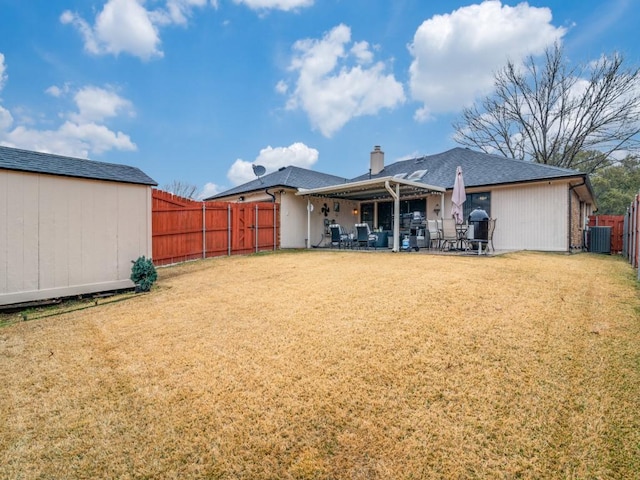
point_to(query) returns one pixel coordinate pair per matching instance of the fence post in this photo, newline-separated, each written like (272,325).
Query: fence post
(204,230)
(229,229)
(256,225)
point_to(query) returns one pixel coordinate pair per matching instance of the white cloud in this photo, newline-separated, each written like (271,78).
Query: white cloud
(362,52)
(81,134)
(457,54)
(57,92)
(76,140)
(126,26)
(296,154)
(121,26)
(6,119)
(282,87)
(3,73)
(284,5)
(334,86)
(98,104)
(54,91)
(209,190)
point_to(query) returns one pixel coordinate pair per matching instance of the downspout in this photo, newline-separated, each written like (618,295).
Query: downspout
(396,214)
(273,197)
(571,187)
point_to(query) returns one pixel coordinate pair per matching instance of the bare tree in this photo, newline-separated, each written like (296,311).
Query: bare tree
(182,189)
(550,113)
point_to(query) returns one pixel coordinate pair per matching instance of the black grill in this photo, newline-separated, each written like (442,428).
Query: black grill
(480,221)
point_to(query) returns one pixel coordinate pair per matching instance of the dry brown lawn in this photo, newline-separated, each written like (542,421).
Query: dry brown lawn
(335,365)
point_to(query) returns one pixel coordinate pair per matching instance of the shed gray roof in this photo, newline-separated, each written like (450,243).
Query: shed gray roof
(47,163)
(290,177)
(478,169)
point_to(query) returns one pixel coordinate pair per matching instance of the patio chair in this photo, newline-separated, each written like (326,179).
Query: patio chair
(338,237)
(449,234)
(434,234)
(364,237)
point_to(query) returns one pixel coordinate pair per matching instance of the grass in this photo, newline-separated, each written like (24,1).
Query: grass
(335,365)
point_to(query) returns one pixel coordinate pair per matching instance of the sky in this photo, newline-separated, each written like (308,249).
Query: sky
(198,91)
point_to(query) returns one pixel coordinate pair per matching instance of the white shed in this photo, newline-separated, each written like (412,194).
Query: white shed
(69,226)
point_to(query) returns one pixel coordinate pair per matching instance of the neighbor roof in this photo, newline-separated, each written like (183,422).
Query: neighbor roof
(478,169)
(286,177)
(47,163)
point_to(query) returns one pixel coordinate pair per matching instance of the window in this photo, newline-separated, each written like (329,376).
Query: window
(366,215)
(385,215)
(417,175)
(415,205)
(474,200)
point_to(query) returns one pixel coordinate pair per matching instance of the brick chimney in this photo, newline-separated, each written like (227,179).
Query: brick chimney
(377,160)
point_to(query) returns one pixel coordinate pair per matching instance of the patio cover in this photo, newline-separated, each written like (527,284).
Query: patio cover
(382,188)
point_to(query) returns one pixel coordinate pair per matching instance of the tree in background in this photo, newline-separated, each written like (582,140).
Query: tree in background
(181,189)
(550,113)
(616,185)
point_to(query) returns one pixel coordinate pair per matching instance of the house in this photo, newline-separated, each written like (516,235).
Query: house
(281,186)
(69,226)
(537,207)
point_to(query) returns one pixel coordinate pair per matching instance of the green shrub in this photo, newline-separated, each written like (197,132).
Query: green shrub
(143,274)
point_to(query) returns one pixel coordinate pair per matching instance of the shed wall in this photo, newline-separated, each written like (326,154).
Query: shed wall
(64,236)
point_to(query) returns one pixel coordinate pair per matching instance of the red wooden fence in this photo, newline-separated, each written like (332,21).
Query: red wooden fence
(616,222)
(184,229)
(632,234)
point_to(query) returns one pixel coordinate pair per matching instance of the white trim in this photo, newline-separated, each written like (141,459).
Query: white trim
(362,184)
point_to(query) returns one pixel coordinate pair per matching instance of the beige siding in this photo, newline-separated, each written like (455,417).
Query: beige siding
(65,236)
(293,221)
(293,217)
(531,217)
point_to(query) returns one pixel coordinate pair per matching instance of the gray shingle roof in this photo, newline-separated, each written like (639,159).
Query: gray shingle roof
(47,163)
(478,169)
(291,177)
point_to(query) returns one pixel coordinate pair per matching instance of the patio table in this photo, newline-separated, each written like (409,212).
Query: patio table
(462,240)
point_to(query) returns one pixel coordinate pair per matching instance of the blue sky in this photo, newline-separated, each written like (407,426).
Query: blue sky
(199,90)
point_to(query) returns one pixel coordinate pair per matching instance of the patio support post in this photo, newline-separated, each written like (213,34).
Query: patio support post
(396,214)
(309,208)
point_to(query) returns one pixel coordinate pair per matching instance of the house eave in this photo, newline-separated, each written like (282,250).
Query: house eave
(578,180)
